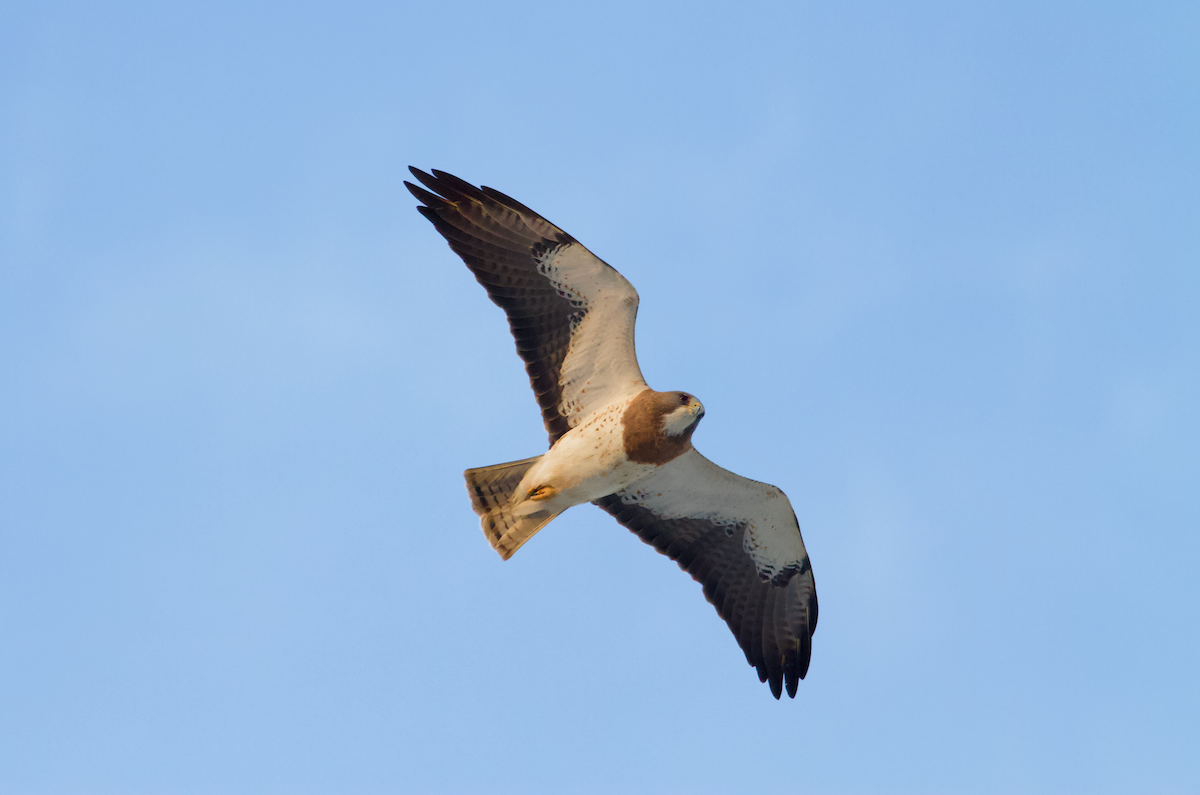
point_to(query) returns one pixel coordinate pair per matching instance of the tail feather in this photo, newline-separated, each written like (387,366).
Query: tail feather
(492,490)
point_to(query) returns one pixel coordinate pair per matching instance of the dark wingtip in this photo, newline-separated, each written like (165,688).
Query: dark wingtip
(448,184)
(421,176)
(776,686)
(429,214)
(423,196)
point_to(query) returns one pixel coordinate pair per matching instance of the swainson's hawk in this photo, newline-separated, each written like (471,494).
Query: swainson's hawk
(614,441)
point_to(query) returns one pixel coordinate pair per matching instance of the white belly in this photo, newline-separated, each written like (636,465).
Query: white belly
(587,463)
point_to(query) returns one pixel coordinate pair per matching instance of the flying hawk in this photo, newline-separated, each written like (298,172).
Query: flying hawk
(616,442)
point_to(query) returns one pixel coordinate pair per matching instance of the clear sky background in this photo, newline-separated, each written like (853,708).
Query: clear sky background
(933,268)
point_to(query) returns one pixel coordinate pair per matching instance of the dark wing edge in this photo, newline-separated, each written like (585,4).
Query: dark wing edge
(499,239)
(773,622)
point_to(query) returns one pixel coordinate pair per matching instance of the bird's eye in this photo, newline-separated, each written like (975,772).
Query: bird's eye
(684,399)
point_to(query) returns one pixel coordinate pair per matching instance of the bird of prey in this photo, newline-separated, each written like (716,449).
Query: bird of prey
(614,441)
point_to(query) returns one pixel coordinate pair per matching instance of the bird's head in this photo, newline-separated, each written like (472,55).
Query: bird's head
(682,413)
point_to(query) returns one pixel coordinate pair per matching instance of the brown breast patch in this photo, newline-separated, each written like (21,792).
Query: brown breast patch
(645,441)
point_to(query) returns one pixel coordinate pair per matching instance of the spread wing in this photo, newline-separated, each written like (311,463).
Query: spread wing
(739,539)
(570,312)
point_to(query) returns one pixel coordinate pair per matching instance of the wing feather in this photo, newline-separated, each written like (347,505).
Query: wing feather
(739,539)
(571,314)
(772,658)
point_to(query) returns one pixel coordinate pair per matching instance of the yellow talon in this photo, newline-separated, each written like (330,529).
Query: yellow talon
(544,492)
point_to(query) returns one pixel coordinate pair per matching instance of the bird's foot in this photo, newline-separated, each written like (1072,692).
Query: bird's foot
(543,492)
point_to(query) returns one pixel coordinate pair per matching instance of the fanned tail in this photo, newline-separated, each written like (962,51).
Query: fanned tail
(492,490)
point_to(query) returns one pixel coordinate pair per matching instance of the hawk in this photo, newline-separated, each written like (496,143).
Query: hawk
(614,441)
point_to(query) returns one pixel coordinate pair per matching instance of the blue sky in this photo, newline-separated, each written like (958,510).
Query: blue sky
(933,269)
